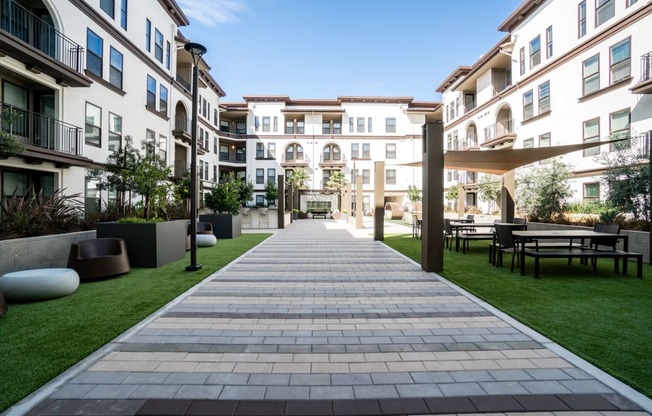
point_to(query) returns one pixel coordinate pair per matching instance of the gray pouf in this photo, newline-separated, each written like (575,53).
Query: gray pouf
(38,284)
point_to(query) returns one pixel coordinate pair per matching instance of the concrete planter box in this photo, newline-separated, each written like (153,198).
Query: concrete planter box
(225,226)
(149,244)
(639,241)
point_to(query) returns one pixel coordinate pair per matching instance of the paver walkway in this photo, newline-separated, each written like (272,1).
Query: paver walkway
(317,322)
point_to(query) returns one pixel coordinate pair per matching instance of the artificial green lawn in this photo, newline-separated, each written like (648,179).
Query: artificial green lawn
(603,317)
(40,340)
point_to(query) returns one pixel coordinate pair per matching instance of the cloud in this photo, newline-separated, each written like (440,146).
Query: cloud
(214,12)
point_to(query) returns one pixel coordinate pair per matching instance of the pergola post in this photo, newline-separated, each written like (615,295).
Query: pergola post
(507,197)
(432,225)
(461,200)
(358,202)
(280,201)
(347,202)
(379,200)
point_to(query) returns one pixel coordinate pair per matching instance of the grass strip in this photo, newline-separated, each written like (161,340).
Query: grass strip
(602,317)
(40,340)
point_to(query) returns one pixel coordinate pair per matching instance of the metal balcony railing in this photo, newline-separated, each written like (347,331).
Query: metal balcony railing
(341,158)
(469,106)
(294,159)
(46,132)
(184,82)
(500,129)
(22,24)
(182,123)
(470,142)
(180,168)
(646,67)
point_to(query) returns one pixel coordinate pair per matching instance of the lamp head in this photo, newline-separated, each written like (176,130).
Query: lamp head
(196,49)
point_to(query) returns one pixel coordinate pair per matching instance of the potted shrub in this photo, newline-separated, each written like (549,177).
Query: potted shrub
(271,193)
(245,193)
(295,214)
(224,201)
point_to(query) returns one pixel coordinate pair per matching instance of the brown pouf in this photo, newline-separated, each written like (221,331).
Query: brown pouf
(3,305)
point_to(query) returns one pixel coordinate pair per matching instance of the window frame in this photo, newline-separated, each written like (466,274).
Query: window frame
(581,19)
(260,176)
(613,64)
(113,69)
(390,153)
(260,150)
(528,105)
(607,4)
(148,35)
(390,124)
(114,133)
(549,49)
(544,97)
(390,179)
(587,78)
(592,151)
(98,126)
(271,178)
(535,55)
(92,54)
(627,131)
(163,100)
(151,93)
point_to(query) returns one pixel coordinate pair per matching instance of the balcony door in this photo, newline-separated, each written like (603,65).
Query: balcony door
(16,99)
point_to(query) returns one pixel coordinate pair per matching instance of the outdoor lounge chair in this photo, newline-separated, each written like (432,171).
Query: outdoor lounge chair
(98,258)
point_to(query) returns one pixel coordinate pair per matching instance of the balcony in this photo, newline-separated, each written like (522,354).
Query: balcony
(235,136)
(644,85)
(46,139)
(180,168)
(332,160)
(238,159)
(182,128)
(40,46)
(500,133)
(470,143)
(184,82)
(296,161)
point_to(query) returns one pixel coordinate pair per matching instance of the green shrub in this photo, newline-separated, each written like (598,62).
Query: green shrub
(139,220)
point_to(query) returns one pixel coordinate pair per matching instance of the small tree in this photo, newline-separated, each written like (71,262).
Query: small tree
(245,190)
(336,182)
(490,188)
(224,197)
(627,179)
(150,178)
(413,193)
(542,192)
(453,193)
(271,192)
(9,144)
(299,178)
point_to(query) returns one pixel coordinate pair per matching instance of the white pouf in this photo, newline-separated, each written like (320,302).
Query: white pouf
(39,284)
(206,240)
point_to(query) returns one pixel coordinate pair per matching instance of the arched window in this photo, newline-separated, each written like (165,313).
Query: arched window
(293,151)
(332,152)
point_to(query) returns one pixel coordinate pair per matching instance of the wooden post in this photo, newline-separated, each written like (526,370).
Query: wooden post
(461,200)
(432,225)
(347,203)
(379,201)
(280,184)
(507,197)
(358,202)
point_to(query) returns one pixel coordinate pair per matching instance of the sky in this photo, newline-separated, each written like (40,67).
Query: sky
(329,48)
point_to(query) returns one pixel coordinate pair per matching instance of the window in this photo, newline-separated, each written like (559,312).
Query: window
(604,10)
(151,92)
(167,55)
(390,151)
(591,133)
(360,124)
(271,150)
(326,127)
(214,173)
(544,97)
(528,108)
(148,35)
(162,150)
(91,196)
(93,126)
(630,2)
(224,126)
(337,127)
(224,152)
(390,125)
(592,190)
(521,60)
(294,152)
(215,117)
(109,7)
(619,128)
(260,176)
(620,61)
(390,177)
(581,19)
(300,128)
(366,176)
(275,124)
(449,142)
(366,204)
(549,42)
(260,200)
(544,140)
(354,174)
(289,127)
(528,143)
(355,150)
(332,153)
(214,144)
(115,132)
(150,142)
(240,127)
(368,124)
(535,52)
(456,143)
(266,124)
(366,151)
(115,69)
(350,124)
(260,151)
(201,169)
(591,75)
(123,14)
(271,175)
(94,47)
(163,101)
(257,123)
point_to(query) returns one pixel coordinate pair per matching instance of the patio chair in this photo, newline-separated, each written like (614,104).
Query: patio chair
(416,225)
(608,242)
(521,221)
(99,258)
(505,244)
(448,234)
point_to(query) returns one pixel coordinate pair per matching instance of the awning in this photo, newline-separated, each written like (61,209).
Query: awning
(500,161)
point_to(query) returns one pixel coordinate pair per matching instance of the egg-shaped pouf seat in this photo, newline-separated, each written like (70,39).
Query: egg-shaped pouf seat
(206,240)
(39,284)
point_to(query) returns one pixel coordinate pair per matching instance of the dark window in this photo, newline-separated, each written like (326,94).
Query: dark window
(240,128)
(337,127)
(592,190)
(224,152)
(93,125)
(115,132)
(390,176)
(260,200)
(271,175)
(148,35)
(289,127)
(390,151)
(544,97)
(151,92)
(326,127)
(260,150)
(109,7)
(241,154)
(115,70)
(366,151)
(158,45)
(167,55)
(94,46)
(123,14)
(581,19)
(591,75)
(163,101)
(390,125)
(260,176)
(300,128)
(350,124)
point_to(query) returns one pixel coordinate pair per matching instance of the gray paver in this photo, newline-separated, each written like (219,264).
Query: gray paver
(288,393)
(418,390)
(375,392)
(243,392)
(331,392)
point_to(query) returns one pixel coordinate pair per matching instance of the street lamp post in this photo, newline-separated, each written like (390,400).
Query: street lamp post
(354,207)
(196,50)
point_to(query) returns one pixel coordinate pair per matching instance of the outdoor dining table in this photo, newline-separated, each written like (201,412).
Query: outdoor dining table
(522,237)
(458,225)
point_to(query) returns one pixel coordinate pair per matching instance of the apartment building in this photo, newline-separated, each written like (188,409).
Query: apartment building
(80,75)
(565,72)
(272,135)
